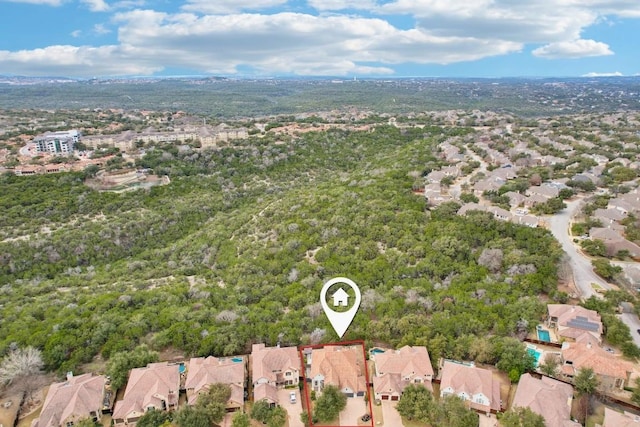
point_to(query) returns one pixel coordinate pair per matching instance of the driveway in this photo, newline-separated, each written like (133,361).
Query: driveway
(391,416)
(293,409)
(487,420)
(356,407)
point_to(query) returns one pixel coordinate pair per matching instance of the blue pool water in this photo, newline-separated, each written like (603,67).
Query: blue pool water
(535,353)
(181,368)
(543,335)
(377,350)
(236,359)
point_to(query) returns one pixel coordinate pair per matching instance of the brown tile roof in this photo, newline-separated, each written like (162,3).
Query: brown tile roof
(573,320)
(470,381)
(147,387)
(267,392)
(614,418)
(71,400)
(270,362)
(203,372)
(547,397)
(340,366)
(409,362)
(585,355)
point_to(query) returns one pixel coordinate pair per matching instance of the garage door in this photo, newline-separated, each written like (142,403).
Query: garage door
(385,397)
(395,397)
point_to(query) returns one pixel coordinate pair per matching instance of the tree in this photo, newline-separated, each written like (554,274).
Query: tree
(20,363)
(594,247)
(550,364)
(21,370)
(154,419)
(330,403)
(189,416)
(585,383)
(272,416)
(452,412)
(213,403)
(635,396)
(121,363)
(240,419)
(513,358)
(521,417)
(605,269)
(416,403)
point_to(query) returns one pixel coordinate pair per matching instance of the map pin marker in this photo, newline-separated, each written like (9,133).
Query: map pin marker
(340,320)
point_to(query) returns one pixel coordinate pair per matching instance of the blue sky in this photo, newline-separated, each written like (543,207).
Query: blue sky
(364,38)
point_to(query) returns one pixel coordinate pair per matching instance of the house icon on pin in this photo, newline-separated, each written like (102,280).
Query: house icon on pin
(340,298)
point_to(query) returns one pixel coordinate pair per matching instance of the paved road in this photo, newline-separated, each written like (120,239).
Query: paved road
(583,274)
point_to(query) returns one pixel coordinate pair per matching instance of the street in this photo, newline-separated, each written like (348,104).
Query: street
(583,274)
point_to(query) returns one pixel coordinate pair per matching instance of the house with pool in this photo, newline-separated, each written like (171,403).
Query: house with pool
(203,372)
(574,323)
(396,369)
(547,397)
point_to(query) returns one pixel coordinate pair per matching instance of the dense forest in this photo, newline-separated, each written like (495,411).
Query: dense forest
(236,249)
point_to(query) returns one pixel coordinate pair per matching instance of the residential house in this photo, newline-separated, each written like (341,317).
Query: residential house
(612,371)
(575,323)
(434,195)
(341,366)
(547,397)
(472,384)
(395,369)
(515,199)
(609,215)
(546,191)
(155,387)
(487,184)
(203,372)
(273,368)
(75,399)
(614,242)
(613,418)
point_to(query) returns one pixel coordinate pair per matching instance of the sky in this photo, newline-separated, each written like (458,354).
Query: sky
(340,38)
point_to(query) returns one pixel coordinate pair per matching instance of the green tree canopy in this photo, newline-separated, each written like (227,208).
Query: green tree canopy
(521,417)
(330,403)
(121,363)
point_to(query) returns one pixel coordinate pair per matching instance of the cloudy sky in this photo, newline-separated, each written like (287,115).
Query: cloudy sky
(387,38)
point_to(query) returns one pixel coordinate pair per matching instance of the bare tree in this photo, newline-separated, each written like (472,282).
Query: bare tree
(21,371)
(492,259)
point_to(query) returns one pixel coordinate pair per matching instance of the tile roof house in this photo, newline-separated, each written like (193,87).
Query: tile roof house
(575,323)
(614,241)
(341,366)
(273,368)
(472,384)
(612,371)
(547,397)
(202,372)
(613,418)
(545,191)
(395,369)
(155,387)
(70,401)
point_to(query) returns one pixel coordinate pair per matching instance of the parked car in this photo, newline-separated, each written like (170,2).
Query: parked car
(292,397)
(366,417)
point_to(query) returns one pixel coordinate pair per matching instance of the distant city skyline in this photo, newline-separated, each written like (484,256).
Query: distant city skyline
(341,38)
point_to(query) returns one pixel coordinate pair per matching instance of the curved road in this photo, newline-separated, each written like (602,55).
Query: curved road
(583,274)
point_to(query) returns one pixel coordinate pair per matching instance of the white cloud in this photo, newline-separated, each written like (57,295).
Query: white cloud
(76,33)
(74,61)
(229,6)
(594,74)
(101,29)
(96,5)
(342,4)
(573,49)
(42,2)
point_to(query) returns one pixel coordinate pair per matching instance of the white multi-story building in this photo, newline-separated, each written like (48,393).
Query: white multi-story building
(57,142)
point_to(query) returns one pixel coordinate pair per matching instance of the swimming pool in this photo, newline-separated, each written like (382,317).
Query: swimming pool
(536,354)
(236,359)
(377,350)
(543,335)
(181,368)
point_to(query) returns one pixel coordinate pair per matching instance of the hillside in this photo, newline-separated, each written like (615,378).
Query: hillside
(236,248)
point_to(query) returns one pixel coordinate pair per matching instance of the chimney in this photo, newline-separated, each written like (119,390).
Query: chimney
(69,375)
(589,345)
